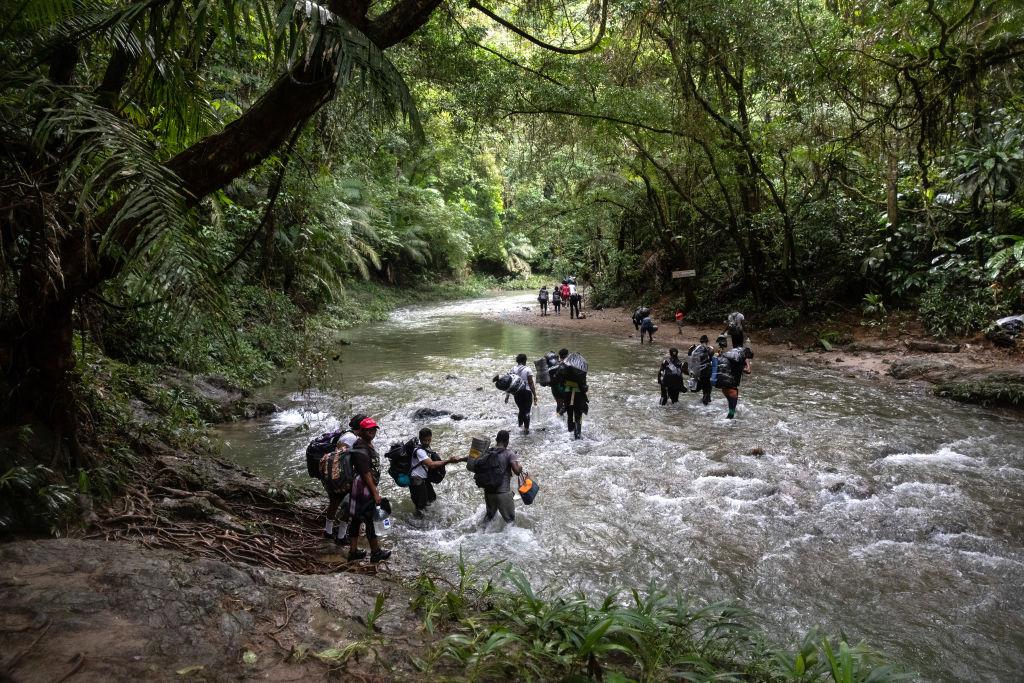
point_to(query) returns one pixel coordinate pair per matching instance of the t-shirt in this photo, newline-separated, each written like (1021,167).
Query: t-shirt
(572,290)
(418,456)
(524,372)
(364,459)
(505,458)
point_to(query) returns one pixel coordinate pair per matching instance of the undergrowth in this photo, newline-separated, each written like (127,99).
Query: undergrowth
(506,630)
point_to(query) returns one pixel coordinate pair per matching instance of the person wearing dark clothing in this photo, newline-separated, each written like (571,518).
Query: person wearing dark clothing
(542,299)
(556,299)
(420,489)
(647,327)
(554,363)
(575,402)
(574,301)
(365,498)
(639,315)
(503,462)
(738,363)
(735,329)
(699,363)
(670,377)
(335,499)
(526,394)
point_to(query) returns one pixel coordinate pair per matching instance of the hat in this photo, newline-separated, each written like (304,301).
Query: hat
(356,419)
(368,423)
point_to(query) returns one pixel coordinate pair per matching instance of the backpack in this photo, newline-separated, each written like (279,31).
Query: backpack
(543,296)
(318,448)
(565,291)
(556,295)
(699,362)
(488,472)
(723,372)
(400,458)
(435,475)
(574,369)
(510,382)
(336,471)
(673,370)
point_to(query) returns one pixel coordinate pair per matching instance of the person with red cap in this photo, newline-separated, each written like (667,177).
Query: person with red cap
(365,498)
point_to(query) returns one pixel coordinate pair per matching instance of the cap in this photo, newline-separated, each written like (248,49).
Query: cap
(368,423)
(356,419)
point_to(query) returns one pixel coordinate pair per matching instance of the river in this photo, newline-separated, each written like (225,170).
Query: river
(876,510)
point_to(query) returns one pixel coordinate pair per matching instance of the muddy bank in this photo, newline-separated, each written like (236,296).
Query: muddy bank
(970,370)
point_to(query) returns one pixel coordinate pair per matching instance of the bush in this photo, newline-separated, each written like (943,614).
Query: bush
(956,304)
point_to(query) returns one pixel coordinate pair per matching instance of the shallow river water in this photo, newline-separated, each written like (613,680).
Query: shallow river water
(876,509)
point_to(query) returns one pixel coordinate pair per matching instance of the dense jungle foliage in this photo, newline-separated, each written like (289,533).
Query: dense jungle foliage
(176,173)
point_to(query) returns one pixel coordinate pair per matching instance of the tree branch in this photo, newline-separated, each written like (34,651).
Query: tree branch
(473,4)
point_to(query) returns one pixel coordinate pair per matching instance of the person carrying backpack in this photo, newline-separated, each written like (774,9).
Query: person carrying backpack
(425,466)
(319,449)
(638,316)
(556,299)
(526,392)
(542,299)
(365,498)
(491,472)
(571,380)
(699,362)
(575,298)
(647,327)
(735,329)
(727,371)
(670,377)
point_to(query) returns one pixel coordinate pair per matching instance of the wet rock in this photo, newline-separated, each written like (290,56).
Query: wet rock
(869,347)
(479,388)
(932,347)
(853,489)
(451,377)
(428,413)
(839,360)
(921,368)
(457,417)
(720,471)
(756,451)
(141,614)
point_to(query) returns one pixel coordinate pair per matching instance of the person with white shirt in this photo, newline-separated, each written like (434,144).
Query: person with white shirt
(526,394)
(421,489)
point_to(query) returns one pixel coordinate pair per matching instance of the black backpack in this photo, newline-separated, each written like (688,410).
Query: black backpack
(435,475)
(673,370)
(318,448)
(488,472)
(509,382)
(400,458)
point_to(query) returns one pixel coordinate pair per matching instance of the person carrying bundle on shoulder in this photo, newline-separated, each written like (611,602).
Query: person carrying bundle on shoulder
(735,329)
(727,369)
(572,382)
(519,384)
(670,377)
(426,469)
(638,316)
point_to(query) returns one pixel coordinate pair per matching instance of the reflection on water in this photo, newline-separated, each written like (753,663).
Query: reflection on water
(875,509)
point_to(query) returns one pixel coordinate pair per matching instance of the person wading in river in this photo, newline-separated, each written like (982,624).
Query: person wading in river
(526,395)
(699,363)
(572,386)
(491,472)
(365,498)
(420,488)
(731,366)
(670,377)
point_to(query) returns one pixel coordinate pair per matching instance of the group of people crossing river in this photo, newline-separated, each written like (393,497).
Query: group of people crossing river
(349,466)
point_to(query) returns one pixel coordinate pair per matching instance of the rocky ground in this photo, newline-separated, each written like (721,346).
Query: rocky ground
(971,370)
(202,570)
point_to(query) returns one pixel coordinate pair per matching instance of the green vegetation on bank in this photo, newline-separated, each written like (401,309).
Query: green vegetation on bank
(505,630)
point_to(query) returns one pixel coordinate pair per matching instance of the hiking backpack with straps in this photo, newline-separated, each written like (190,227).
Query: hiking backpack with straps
(700,361)
(488,472)
(509,382)
(318,448)
(336,471)
(400,461)
(673,369)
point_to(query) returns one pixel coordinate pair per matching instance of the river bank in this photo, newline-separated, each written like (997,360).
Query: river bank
(255,593)
(969,370)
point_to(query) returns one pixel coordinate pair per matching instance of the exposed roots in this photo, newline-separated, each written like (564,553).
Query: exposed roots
(264,532)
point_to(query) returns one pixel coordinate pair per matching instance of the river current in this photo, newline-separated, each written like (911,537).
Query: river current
(875,510)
